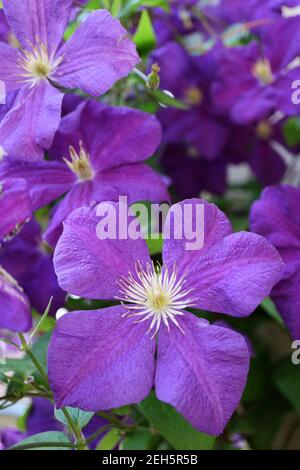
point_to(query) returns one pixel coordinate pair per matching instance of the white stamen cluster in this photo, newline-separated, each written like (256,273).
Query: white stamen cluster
(36,64)
(155,294)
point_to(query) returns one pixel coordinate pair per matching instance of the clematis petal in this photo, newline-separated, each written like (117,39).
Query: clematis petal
(9,71)
(97,55)
(89,266)
(37,111)
(15,312)
(213,224)
(100,360)
(15,205)
(286,297)
(137,181)
(80,195)
(202,372)
(112,136)
(42,20)
(276,217)
(46,180)
(235,274)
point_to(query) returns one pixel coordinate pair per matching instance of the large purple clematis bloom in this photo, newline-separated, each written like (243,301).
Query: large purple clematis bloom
(100,154)
(106,358)
(29,261)
(93,59)
(276,216)
(254,81)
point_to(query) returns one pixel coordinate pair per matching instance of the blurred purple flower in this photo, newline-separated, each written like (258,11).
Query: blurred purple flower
(106,358)
(255,80)
(29,261)
(189,78)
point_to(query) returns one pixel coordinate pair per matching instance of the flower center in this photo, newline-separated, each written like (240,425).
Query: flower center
(37,65)
(193,96)
(80,163)
(155,294)
(264,130)
(262,71)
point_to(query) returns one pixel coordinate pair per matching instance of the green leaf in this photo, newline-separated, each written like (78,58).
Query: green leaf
(41,320)
(81,418)
(173,427)
(291,131)
(166,100)
(268,305)
(287,380)
(131,6)
(3,378)
(55,441)
(139,440)
(109,441)
(144,37)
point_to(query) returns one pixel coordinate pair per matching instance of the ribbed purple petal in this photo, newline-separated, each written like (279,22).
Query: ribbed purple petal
(112,136)
(81,195)
(38,20)
(201,372)
(100,360)
(97,55)
(90,267)
(9,69)
(276,217)
(15,312)
(286,297)
(29,127)
(15,205)
(235,274)
(215,226)
(46,180)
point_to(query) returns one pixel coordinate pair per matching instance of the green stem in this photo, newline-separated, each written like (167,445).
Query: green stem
(98,433)
(80,442)
(32,357)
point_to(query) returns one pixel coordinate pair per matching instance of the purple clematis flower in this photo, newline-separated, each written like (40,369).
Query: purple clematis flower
(97,55)
(189,78)
(276,216)
(106,358)
(254,145)
(100,154)
(15,205)
(29,261)
(254,81)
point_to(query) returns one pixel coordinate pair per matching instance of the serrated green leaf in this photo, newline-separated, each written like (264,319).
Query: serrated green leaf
(173,427)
